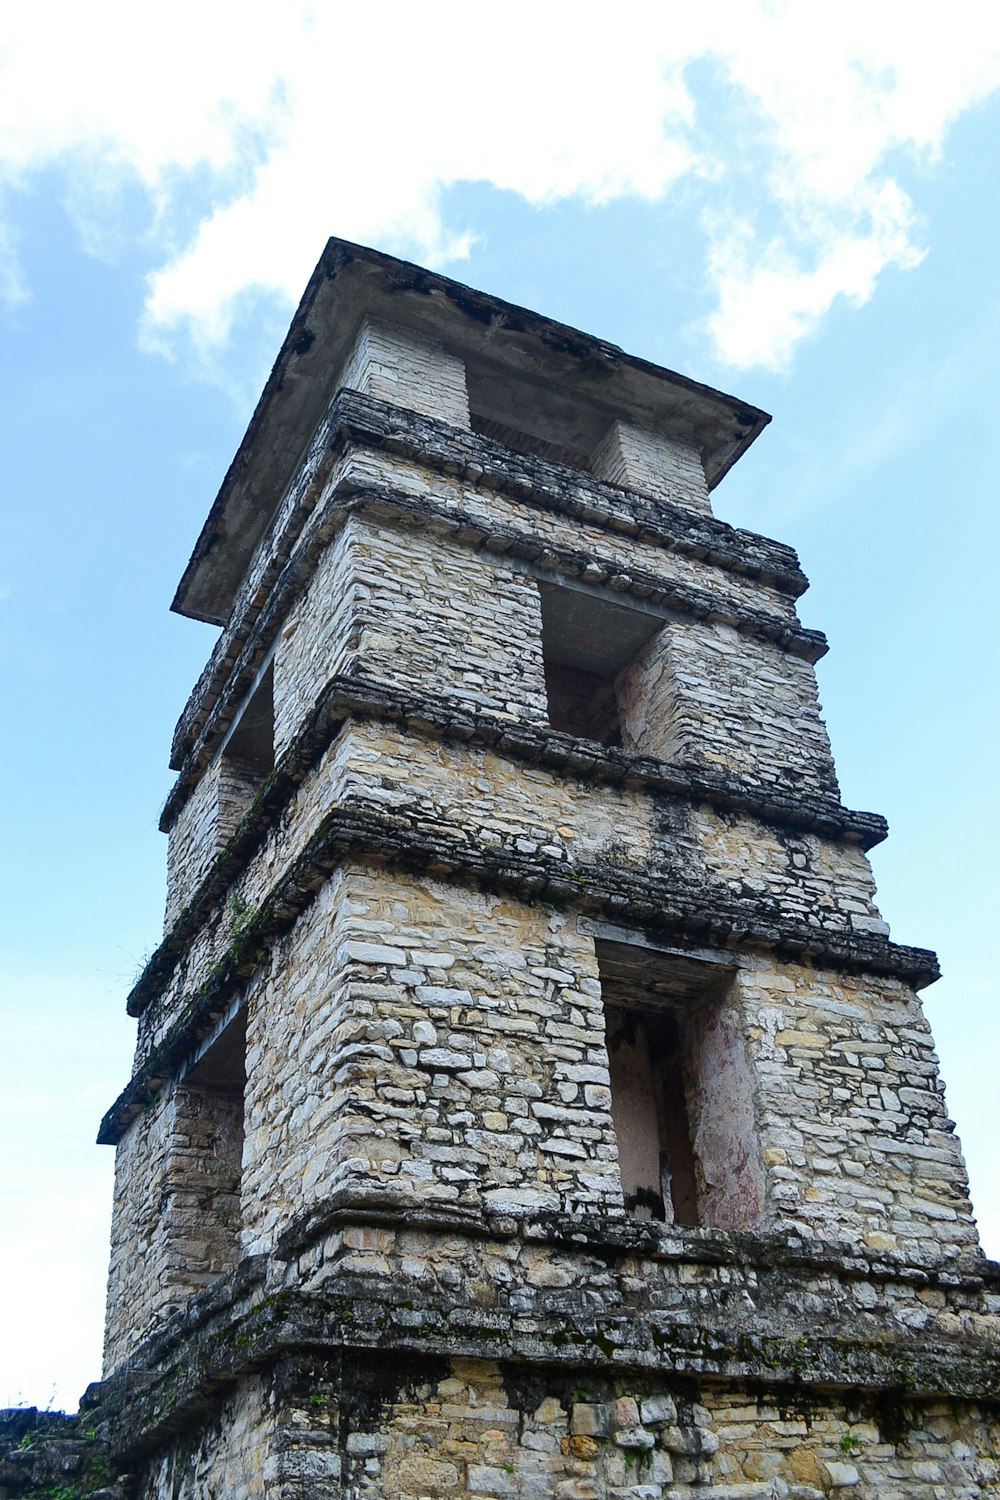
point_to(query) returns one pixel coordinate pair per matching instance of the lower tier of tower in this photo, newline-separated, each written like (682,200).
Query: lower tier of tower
(396,1361)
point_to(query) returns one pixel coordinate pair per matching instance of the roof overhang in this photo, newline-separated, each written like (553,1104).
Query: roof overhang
(352,283)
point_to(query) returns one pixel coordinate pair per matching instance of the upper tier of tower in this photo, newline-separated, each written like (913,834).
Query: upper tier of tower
(420,341)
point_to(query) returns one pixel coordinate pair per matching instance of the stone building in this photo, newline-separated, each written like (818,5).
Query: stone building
(528,1100)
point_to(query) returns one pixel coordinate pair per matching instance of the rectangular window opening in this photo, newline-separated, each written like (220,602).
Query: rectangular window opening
(681,1098)
(587,642)
(527,443)
(535,417)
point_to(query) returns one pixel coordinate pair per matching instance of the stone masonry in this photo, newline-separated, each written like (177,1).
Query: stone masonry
(528,1098)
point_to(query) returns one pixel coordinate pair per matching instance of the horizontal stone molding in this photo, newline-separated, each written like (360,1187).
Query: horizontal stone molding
(623,1237)
(255,621)
(249,1318)
(453,718)
(463,454)
(445,718)
(651,904)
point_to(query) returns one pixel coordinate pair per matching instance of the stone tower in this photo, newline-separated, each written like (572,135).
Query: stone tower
(528,1098)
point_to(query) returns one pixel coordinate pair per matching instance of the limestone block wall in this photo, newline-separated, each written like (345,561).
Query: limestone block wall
(319,638)
(737,1291)
(401,609)
(410,611)
(478,798)
(235,1454)
(193,842)
(476,1431)
(601,532)
(607,531)
(852,1120)
(319,634)
(815,880)
(437,619)
(706,695)
(484,799)
(398,366)
(407,608)
(440,1430)
(137,1286)
(434,1045)
(640,459)
(449,1046)
(203,827)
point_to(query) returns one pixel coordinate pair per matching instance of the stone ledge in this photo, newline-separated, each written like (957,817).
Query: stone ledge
(653,905)
(347,696)
(192,1361)
(462,453)
(618,1238)
(754,1253)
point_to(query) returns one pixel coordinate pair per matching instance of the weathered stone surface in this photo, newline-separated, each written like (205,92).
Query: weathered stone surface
(47,1455)
(528,1100)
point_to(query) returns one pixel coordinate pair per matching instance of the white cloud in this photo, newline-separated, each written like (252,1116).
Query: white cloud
(279,132)
(771,296)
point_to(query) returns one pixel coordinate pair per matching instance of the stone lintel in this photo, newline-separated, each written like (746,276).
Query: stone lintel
(581,378)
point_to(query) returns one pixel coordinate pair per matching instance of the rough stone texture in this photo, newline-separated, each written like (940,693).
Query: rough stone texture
(700,694)
(51,1456)
(204,827)
(407,371)
(647,461)
(474,486)
(438,1046)
(176,1220)
(528,1099)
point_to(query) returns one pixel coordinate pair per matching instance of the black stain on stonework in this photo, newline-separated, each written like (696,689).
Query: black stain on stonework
(372,1384)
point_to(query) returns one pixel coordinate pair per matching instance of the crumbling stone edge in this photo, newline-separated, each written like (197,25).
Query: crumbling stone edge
(51,1456)
(248,1320)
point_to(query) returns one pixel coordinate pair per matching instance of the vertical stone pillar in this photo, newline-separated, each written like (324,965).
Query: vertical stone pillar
(398,366)
(640,459)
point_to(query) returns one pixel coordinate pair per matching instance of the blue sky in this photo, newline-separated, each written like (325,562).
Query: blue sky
(806,217)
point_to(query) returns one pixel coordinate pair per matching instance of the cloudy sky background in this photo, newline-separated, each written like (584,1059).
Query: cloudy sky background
(799,205)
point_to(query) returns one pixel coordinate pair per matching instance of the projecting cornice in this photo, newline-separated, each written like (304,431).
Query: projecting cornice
(494,337)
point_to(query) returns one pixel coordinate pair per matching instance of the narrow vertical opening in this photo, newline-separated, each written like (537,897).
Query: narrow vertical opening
(681,1088)
(250,743)
(649,1105)
(587,642)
